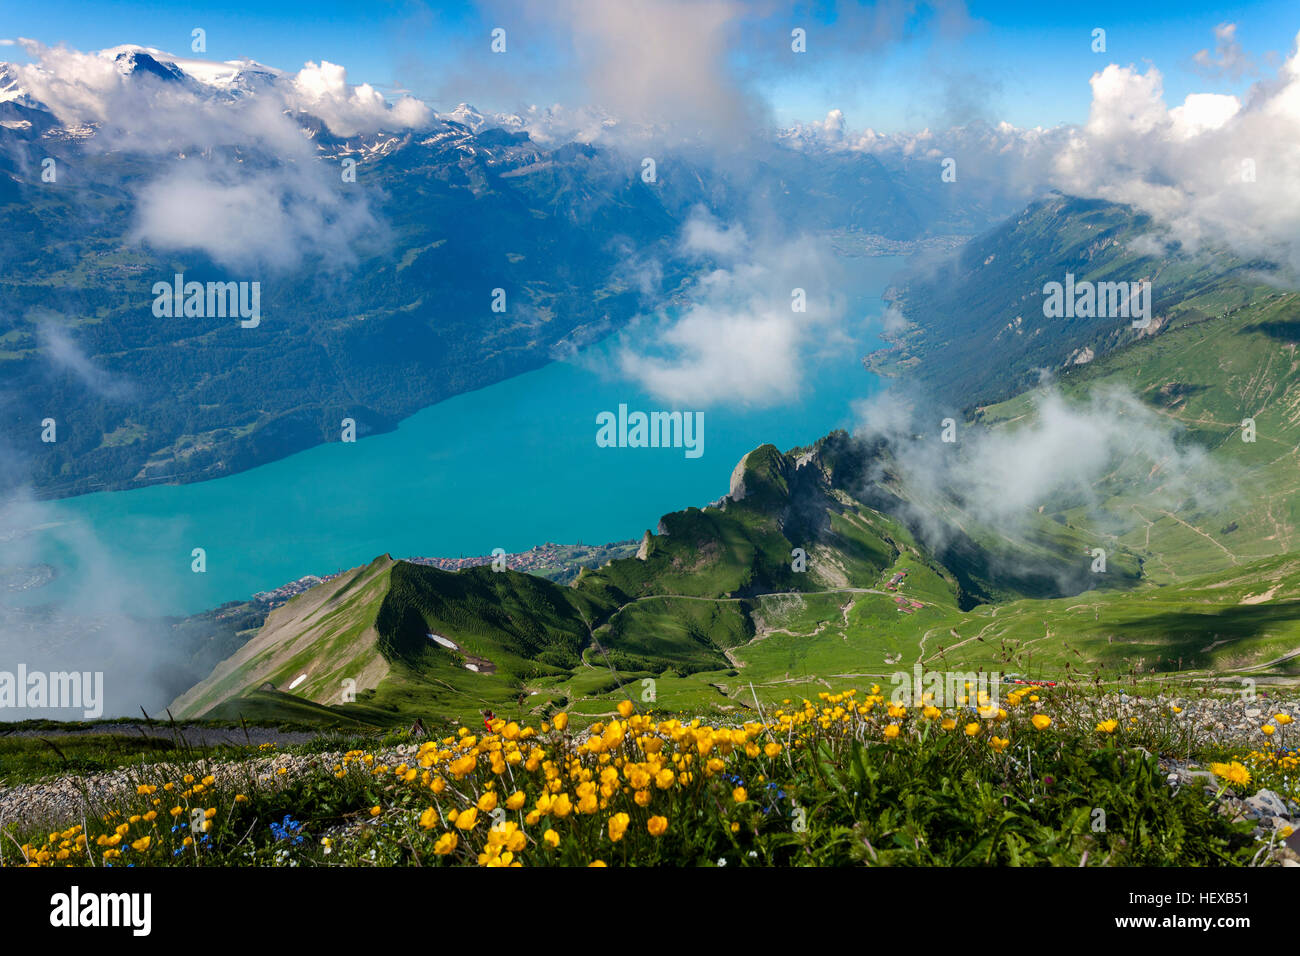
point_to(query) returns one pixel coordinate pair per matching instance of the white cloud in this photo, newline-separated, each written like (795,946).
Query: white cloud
(1215,170)
(738,340)
(703,235)
(893,320)
(275,211)
(1212,170)
(323,91)
(59,349)
(1229,58)
(1079,452)
(263,219)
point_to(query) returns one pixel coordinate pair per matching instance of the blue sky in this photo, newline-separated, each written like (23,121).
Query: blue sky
(1025,62)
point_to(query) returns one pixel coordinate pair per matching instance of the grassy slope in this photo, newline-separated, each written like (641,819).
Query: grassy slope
(715,615)
(1208,377)
(986,303)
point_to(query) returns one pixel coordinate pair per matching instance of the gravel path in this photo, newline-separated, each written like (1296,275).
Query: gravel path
(193,734)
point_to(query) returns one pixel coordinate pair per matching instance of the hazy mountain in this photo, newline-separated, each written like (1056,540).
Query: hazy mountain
(380,302)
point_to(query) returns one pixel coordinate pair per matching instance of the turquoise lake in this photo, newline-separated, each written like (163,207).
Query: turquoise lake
(512,465)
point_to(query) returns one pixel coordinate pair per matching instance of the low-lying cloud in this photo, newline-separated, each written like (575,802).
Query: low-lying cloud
(98,625)
(751,324)
(236,171)
(1074,454)
(64,355)
(272,218)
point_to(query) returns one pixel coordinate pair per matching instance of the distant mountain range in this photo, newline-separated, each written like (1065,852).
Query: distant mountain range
(441,216)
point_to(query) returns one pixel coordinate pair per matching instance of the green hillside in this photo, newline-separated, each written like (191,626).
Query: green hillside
(1209,377)
(976,326)
(826,566)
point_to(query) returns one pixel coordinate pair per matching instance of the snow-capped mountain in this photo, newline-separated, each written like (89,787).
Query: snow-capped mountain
(373,272)
(236,76)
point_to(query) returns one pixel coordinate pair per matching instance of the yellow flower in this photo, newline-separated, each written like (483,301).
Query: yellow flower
(561,806)
(739,795)
(1041,721)
(618,826)
(561,720)
(1268,728)
(596,863)
(516,840)
(429,818)
(376,810)
(1232,772)
(657,826)
(1107,726)
(972,729)
(891,731)
(772,749)
(446,843)
(516,800)
(551,838)
(466,819)
(625,708)
(999,744)
(488,802)
(1282,719)
(948,723)
(142,844)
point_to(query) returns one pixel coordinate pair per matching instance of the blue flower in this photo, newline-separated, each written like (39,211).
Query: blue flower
(287,829)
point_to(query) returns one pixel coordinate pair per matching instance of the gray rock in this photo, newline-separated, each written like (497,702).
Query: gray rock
(1266,804)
